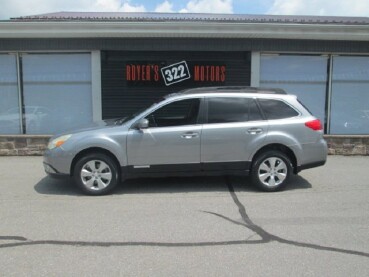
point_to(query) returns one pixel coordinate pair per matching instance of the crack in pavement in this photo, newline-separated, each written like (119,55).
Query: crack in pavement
(268,237)
(265,236)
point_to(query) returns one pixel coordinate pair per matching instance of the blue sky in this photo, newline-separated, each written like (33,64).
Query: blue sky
(15,8)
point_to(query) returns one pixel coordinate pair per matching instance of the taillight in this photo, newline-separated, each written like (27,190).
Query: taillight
(314,125)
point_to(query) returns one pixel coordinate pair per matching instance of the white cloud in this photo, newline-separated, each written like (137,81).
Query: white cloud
(116,6)
(318,7)
(126,7)
(208,6)
(165,7)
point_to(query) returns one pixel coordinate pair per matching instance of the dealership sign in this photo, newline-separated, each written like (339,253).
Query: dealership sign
(156,73)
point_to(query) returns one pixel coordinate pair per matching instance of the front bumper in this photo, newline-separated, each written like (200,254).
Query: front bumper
(57,162)
(52,172)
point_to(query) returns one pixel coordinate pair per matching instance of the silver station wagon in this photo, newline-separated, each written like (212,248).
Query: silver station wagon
(264,133)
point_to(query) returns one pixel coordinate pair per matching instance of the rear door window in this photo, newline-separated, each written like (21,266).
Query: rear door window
(232,109)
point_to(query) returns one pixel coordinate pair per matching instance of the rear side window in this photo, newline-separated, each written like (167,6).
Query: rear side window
(229,109)
(276,109)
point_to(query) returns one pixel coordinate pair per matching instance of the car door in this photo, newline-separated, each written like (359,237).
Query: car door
(233,130)
(170,143)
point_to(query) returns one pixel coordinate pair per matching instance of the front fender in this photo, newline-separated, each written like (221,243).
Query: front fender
(114,144)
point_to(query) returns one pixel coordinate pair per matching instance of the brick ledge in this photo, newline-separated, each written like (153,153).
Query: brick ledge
(35,145)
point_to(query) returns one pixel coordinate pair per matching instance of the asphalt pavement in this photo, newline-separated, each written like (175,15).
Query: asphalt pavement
(208,226)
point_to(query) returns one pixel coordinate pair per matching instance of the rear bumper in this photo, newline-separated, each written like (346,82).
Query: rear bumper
(312,155)
(310,165)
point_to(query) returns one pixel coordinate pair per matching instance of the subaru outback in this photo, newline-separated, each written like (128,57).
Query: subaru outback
(264,133)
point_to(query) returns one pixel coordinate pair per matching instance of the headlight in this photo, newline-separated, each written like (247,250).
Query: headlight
(57,142)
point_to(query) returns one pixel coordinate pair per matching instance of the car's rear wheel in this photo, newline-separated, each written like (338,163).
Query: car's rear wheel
(96,174)
(271,170)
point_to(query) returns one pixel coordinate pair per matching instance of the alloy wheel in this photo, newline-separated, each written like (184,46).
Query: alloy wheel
(272,171)
(96,175)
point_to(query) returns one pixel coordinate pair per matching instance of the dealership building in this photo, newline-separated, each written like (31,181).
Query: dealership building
(62,70)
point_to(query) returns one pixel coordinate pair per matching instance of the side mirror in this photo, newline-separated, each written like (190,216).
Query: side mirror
(143,123)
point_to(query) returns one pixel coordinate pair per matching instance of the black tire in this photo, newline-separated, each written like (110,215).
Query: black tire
(101,174)
(269,177)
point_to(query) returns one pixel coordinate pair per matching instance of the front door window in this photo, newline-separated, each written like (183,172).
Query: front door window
(179,113)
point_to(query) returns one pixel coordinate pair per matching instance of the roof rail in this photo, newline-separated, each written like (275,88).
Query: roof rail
(242,89)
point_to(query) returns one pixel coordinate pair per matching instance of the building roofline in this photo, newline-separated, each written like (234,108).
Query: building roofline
(31,27)
(188,17)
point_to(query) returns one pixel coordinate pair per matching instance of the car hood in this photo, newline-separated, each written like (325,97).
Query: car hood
(102,123)
(92,126)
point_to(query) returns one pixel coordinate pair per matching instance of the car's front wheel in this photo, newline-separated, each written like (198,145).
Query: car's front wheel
(96,174)
(271,170)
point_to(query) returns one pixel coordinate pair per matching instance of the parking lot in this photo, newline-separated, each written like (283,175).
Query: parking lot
(213,226)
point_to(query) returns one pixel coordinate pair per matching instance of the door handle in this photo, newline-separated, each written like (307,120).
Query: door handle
(189,135)
(255,131)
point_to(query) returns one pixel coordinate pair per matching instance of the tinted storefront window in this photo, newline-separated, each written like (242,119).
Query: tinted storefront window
(9,103)
(304,76)
(350,95)
(57,92)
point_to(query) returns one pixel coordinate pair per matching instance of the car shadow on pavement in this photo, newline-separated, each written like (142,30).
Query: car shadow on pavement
(52,186)
(296,182)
